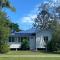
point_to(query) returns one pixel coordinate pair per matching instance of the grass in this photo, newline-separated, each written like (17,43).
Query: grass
(41,58)
(24,53)
(29,53)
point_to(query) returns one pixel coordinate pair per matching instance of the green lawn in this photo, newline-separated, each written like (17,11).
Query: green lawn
(29,53)
(12,53)
(24,53)
(41,58)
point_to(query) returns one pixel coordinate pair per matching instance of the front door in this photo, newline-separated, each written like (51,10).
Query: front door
(32,43)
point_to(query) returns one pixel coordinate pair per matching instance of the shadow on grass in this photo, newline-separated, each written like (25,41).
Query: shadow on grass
(48,52)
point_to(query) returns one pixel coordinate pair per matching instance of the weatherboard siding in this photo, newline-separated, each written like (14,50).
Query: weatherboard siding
(36,38)
(14,45)
(40,43)
(32,42)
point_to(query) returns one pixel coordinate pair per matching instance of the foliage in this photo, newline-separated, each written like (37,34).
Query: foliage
(54,44)
(25,44)
(49,18)
(6,4)
(51,46)
(43,17)
(4,26)
(47,15)
(4,32)
(15,27)
(5,29)
(4,48)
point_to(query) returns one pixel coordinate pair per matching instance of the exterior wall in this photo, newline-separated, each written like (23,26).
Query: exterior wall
(32,42)
(15,44)
(40,38)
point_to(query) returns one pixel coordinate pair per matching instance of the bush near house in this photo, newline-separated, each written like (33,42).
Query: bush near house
(25,44)
(4,48)
(54,44)
(50,46)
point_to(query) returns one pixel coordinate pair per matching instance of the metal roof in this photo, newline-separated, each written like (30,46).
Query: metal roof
(24,33)
(27,31)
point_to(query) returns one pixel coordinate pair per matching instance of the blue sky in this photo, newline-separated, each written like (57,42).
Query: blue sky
(25,12)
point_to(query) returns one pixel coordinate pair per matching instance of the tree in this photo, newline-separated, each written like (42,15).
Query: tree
(4,32)
(15,27)
(5,29)
(49,18)
(44,17)
(55,41)
(6,4)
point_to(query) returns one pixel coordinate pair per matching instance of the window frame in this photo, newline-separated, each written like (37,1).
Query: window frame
(19,39)
(46,39)
(11,39)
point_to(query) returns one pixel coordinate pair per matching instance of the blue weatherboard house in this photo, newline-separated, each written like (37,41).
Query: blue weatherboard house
(36,38)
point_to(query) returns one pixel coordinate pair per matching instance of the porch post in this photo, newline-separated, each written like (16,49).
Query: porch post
(20,39)
(17,39)
(17,42)
(35,43)
(11,39)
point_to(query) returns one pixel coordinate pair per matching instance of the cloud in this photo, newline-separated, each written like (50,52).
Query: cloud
(56,1)
(28,19)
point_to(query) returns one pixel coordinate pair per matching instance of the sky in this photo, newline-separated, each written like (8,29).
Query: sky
(26,11)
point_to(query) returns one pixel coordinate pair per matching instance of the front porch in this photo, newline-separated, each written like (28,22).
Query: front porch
(16,40)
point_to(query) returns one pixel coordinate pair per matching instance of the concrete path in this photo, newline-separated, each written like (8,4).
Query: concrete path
(29,55)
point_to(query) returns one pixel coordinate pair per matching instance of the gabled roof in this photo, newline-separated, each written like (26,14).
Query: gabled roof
(24,33)
(28,31)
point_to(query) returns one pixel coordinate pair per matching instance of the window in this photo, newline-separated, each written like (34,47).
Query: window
(33,34)
(46,38)
(11,39)
(19,40)
(31,37)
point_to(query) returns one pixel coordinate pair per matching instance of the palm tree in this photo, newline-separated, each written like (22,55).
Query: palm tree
(6,4)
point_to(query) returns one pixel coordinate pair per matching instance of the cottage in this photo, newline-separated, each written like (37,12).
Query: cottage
(37,38)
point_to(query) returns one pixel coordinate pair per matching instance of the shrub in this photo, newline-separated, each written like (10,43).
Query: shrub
(4,48)
(25,44)
(51,46)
